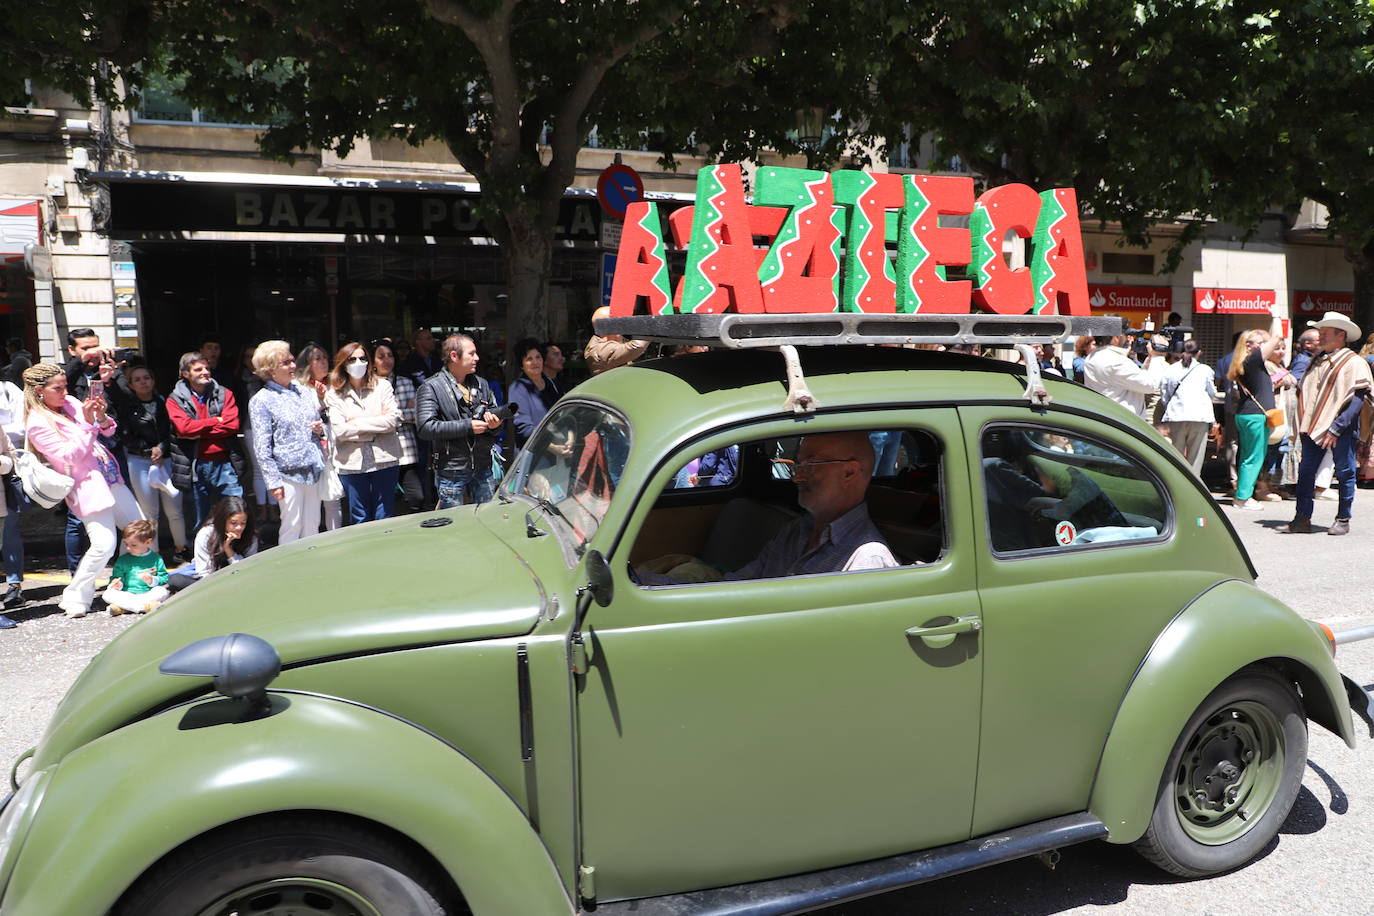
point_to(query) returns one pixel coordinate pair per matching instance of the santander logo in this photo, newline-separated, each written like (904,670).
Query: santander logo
(1235,301)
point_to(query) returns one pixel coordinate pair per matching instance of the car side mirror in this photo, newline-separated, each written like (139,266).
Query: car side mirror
(242,666)
(599,578)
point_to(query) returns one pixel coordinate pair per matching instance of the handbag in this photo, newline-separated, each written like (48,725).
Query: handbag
(40,483)
(1273,417)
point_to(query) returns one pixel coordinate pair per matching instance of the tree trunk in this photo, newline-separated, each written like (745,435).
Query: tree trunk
(529,261)
(1362,260)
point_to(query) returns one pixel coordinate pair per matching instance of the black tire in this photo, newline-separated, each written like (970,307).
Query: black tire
(1232,777)
(292,864)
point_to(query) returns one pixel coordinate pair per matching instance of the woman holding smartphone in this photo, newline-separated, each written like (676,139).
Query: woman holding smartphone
(66,433)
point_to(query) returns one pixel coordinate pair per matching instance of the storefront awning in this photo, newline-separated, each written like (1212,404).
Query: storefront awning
(233,206)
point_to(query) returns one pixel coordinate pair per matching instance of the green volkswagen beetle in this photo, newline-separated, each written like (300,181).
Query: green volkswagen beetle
(568,699)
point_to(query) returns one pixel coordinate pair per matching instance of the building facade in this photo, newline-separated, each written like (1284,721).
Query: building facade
(160,227)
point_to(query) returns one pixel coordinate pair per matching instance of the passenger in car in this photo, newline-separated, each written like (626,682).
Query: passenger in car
(836,534)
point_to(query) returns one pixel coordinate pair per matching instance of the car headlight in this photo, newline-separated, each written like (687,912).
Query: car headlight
(15,819)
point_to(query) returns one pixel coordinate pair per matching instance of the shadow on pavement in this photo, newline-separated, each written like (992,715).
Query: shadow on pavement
(41,602)
(1093,874)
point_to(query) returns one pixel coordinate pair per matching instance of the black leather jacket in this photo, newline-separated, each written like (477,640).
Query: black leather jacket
(443,417)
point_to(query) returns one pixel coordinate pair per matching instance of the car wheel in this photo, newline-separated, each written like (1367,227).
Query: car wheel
(292,865)
(1231,779)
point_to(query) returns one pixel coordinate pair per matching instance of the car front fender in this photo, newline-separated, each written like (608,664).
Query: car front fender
(1226,628)
(166,779)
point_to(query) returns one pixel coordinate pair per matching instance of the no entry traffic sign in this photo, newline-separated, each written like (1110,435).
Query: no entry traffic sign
(617,188)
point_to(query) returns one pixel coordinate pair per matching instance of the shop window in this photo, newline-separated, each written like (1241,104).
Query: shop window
(161,100)
(1048,489)
(1118,262)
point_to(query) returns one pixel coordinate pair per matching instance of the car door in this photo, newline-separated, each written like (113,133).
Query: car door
(1082,562)
(731,731)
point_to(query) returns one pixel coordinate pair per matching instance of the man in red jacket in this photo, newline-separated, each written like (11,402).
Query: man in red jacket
(205,453)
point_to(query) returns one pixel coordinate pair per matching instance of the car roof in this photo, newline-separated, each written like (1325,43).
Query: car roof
(680,396)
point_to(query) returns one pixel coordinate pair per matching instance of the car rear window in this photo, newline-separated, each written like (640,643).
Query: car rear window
(1050,489)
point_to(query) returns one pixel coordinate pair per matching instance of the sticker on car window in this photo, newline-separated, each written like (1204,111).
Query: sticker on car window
(1064,533)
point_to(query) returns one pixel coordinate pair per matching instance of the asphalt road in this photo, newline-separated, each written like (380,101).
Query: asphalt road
(1320,862)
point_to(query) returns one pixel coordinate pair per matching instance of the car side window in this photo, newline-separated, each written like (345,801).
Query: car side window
(1052,489)
(745,505)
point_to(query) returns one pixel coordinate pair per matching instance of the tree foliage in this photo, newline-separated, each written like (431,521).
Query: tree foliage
(1151,109)
(512,87)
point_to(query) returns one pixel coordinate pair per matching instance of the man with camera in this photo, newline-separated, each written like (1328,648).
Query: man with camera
(93,369)
(456,410)
(1110,370)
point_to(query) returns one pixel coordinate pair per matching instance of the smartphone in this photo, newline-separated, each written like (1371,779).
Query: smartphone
(97,388)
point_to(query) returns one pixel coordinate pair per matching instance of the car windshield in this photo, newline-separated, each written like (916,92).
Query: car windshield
(572,465)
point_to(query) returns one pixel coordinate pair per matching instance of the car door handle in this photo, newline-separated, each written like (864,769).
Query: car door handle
(940,636)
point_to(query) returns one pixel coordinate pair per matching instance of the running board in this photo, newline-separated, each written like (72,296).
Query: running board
(812,891)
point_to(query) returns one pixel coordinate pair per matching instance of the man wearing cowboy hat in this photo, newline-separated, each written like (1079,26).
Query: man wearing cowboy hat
(1329,400)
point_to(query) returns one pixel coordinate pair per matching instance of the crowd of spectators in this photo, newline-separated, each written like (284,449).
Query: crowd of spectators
(282,444)
(277,445)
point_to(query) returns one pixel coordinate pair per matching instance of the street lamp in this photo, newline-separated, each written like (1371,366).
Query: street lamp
(810,127)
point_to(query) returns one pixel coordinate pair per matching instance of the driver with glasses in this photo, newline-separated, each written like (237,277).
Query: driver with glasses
(836,534)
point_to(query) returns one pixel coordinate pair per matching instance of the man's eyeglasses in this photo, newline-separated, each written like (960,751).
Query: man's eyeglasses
(810,465)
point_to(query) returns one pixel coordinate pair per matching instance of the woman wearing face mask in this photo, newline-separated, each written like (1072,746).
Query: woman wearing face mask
(364,415)
(146,431)
(412,482)
(312,371)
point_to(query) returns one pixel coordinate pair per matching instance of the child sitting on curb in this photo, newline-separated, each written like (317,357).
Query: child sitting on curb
(138,582)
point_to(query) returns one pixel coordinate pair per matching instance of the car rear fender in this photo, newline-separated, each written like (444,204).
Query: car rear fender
(1226,628)
(174,776)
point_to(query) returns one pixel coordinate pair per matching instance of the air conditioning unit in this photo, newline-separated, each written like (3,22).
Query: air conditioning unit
(78,127)
(66,222)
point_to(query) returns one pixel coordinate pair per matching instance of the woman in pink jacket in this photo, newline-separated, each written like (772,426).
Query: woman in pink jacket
(64,431)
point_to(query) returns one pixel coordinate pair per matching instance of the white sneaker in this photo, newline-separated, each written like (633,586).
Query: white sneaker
(1247,505)
(74,611)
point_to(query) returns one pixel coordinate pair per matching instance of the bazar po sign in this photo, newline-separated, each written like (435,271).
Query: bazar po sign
(825,250)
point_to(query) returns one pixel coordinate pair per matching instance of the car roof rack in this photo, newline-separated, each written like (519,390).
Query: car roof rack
(786,332)
(738,331)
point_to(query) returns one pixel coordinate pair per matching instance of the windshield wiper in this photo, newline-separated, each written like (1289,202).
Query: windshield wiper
(548,507)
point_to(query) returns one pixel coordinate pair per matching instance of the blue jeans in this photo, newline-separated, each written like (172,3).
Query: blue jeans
(214,481)
(885,445)
(75,541)
(14,549)
(1343,456)
(370,495)
(457,488)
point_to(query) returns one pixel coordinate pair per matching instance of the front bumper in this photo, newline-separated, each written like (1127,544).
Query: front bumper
(1361,703)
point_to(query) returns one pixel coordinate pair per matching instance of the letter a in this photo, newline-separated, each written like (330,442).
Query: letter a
(642,266)
(1058,275)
